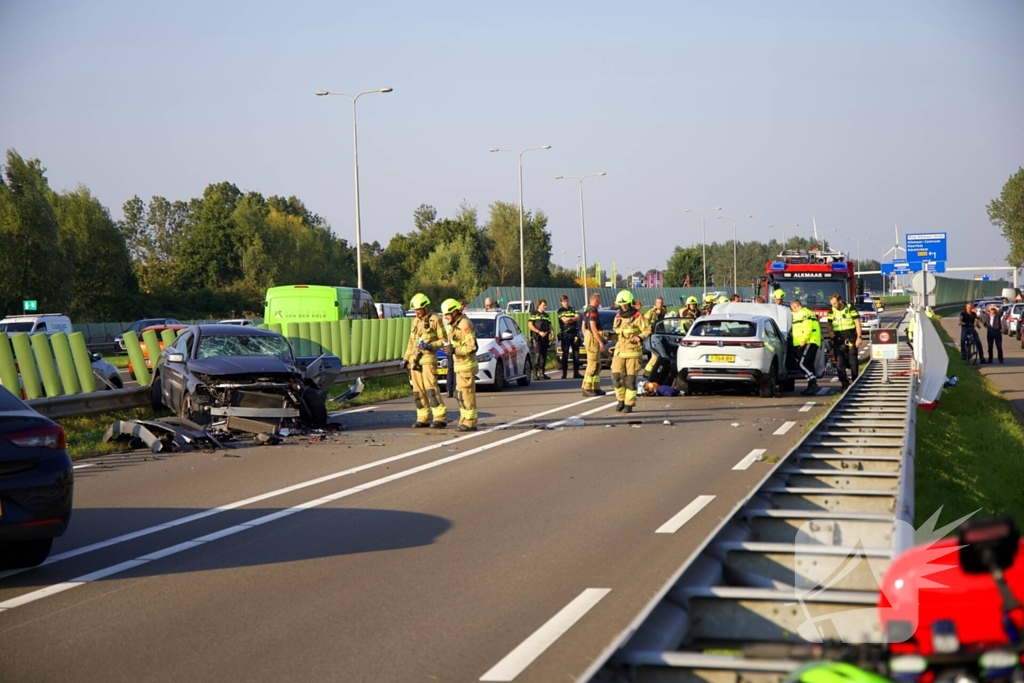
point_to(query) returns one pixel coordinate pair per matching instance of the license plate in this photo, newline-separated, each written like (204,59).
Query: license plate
(442,371)
(721,359)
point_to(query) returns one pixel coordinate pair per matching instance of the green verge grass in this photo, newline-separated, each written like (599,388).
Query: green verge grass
(119,362)
(970,450)
(85,433)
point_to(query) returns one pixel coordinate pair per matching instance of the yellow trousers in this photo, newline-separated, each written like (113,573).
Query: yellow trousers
(624,372)
(426,394)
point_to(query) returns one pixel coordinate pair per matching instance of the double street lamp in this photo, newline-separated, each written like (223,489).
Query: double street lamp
(735,283)
(791,225)
(522,257)
(704,242)
(355,164)
(583,226)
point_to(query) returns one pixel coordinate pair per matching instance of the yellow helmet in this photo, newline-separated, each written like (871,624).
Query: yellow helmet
(449,306)
(723,299)
(419,301)
(708,298)
(691,300)
(624,298)
(778,294)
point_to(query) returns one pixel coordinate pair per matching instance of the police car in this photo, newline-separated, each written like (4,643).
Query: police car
(502,352)
(868,318)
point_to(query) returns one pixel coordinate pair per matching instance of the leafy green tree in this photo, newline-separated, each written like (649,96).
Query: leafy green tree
(34,261)
(449,272)
(1007,214)
(207,254)
(683,263)
(502,231)
(104,278)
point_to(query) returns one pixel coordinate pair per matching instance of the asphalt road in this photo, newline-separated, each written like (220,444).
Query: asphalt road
(388,554)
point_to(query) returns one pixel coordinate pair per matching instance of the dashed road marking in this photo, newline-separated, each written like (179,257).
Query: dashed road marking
(750,458)
(784,428)
(685,515)
(807,407)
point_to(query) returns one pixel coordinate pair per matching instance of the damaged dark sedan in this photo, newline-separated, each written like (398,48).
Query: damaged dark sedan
(248,377)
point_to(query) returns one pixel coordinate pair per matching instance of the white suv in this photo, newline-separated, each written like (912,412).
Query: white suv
(733,347)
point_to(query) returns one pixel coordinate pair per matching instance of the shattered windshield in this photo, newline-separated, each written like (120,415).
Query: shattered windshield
(216,346)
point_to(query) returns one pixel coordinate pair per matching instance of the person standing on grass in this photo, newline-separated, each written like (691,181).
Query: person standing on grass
(993,322)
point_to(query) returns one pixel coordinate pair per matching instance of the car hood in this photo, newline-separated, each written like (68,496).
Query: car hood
(240,365)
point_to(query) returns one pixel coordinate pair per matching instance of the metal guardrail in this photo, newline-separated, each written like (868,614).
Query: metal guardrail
(135,397)
(784,564)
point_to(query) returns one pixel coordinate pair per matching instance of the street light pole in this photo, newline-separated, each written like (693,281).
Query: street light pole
(522,252)
(704,243)
(583,227)
(355,164)
(858,241)
(735,283)
(793,225)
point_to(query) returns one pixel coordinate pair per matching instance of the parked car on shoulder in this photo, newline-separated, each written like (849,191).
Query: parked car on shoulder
(868,318)
(36,483)
(1011,318)
(137,326)
(385,311)
(236,321)
(503,353)
(50,323)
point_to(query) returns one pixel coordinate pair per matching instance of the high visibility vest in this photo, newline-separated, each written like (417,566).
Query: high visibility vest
(806,328)
(844,320)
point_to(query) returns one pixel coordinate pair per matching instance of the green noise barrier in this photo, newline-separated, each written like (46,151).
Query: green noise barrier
(357,342)
(336,345)
(168,337)
(392,336)
(27,366)
(326,338)
(44,361)
(66,364)
(374,340)
(276,327)
(83,362)
(8,371)
(346,338)
(314,336)
(152,347)
(131,343)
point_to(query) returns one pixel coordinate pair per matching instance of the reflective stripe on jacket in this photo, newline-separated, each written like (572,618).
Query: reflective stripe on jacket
(626,327)
(464,341)
(844,320)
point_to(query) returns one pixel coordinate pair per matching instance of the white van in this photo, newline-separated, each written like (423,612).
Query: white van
(50,323)
(390,311)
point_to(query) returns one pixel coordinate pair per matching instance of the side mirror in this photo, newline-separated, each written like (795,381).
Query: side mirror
(175,358)
(505,336)
(96,356)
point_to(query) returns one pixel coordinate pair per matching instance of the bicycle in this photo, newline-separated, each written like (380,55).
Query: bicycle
(970,351)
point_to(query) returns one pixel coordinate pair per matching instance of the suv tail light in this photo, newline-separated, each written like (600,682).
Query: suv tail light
(690,344)
(752,345)
(49,436)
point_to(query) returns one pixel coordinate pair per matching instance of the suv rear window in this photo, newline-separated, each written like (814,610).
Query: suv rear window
(724,328)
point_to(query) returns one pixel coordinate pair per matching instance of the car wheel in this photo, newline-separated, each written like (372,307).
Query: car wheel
(155,399)
(767,387)
(24,554)
(312,408)
(788,384)
(117,381)
(499,376)
(189,411)
(682,385)
(524,381)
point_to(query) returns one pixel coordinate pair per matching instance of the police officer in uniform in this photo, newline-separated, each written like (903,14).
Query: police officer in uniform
(593,342)
(690,311)
(806,342)
(420,358)
(845,321)
(653,316)
(568,337)
(631,329)
(540,335)
(464,364)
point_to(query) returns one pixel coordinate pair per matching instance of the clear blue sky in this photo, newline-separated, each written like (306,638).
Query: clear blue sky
(864,115)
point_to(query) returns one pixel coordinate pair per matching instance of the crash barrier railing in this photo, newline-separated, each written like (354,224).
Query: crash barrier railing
(800,559)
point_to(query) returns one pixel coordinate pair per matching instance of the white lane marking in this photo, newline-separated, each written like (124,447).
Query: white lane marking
(749,458)
(807,407)
(823,391)
(279,492)
(357,410)
(82,467)
(259,521)
(685,515)
(515,662)
(784,428)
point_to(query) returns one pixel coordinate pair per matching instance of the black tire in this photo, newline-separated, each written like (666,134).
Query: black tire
(155,400)
(499,376)
(788,384)
(524,381)
(24,554)
(188,411)
(312,407)
(117,382)
(766,389)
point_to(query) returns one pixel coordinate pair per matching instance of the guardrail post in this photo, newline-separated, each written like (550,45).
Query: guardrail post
(152,347)
(391,325)
(345,337)
(364,347)
(314,336)
(375,340)
(357,342)
(66,364)
(336,346)
(8,372)
(325,337)
(131,343)
(47,368)
(303,341)
(27,366)
(83,362)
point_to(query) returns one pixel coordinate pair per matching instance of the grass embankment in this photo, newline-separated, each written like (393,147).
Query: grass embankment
(970,450)
(85,433)
(119,362)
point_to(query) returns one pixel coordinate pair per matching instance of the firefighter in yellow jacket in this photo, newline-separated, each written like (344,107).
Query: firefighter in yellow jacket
(464,364)
(631,329)
(420,358)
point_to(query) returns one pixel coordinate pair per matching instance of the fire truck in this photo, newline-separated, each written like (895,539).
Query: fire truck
(812,276)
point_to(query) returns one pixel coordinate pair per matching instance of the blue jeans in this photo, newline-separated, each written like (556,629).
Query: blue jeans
(964,332)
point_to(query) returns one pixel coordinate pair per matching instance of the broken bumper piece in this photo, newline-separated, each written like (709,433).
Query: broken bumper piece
(168,434)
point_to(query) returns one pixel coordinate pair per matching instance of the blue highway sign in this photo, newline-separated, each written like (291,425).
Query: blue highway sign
(926,247)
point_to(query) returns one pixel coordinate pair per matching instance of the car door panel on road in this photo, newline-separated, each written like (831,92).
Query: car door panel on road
(441,573)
